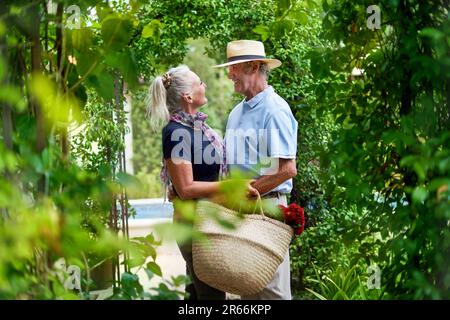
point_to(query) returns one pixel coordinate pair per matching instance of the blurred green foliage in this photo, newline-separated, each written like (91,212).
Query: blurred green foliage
(373,149)
(387,157)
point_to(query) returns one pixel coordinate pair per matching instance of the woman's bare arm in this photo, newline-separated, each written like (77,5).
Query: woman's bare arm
(183,181)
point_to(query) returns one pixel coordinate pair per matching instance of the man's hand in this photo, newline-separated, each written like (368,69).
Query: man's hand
(286,170)
(251,191)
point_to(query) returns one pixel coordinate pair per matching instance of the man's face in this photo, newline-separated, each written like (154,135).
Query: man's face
(241,75)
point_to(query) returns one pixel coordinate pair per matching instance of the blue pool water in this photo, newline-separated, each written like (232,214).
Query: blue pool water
(151,209)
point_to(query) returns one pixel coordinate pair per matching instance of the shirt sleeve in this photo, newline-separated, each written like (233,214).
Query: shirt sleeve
(176,143)
(282,135)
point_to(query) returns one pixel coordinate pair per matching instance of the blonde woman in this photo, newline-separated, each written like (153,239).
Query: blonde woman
(194,155)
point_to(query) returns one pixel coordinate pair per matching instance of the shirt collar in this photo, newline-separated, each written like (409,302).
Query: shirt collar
(256,99)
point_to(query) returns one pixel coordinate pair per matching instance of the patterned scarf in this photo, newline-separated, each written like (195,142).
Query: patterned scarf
(197,122)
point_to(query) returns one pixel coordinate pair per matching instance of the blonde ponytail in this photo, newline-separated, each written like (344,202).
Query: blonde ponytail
(165,95)
(157,107)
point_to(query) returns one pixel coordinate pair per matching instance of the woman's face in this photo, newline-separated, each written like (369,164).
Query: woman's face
(197,93)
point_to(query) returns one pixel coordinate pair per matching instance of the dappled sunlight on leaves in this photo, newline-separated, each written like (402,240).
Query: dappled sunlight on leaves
(59,108)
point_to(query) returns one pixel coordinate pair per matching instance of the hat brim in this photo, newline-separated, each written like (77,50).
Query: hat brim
(271,63)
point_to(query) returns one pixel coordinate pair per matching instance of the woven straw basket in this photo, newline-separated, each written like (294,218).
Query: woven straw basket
(240,261)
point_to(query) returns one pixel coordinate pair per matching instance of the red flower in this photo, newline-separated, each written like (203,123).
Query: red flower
(294,216)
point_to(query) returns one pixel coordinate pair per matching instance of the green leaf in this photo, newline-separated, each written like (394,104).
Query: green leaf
(150,238)
(145,249)
(227,224)
(150,251)
(127,180)
(444,164)
(130,285)
(152,30)
(432,33)
(88,62)
(340,295)
(311,4)
(437,183)
(186,208)
(116,32)
(134,262)
(408,161)
(13,96)
(302,17)
(57,107)
(263,31)
(82,39)
(103,11)
(272,210)
(280,28)
(176,231)
(103,83)
(180,280)
(153,267)
(325,6)
(420,170)
(127,65)
(283,5)
(2,28)
(419,194)
(150,274)
(318,295)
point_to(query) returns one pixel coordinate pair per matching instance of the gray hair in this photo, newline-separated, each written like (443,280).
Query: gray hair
(165,94)
(263,68)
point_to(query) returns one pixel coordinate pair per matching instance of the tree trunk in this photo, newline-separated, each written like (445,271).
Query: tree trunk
(406,92)
(102,275)
(63,135)
(36,66)
(6,109)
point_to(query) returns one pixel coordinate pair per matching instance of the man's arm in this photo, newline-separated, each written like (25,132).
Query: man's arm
(286,170)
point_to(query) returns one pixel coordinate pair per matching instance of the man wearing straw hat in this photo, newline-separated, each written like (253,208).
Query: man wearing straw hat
(261,129)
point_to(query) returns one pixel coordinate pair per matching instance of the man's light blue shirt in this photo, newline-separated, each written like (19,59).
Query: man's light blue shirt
(260,131)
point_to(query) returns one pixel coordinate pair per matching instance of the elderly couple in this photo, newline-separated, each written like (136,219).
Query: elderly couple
(176,98)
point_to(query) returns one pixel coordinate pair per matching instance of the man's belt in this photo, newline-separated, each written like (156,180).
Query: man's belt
(273,194)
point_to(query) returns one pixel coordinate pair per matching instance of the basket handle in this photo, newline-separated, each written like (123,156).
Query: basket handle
(258,204)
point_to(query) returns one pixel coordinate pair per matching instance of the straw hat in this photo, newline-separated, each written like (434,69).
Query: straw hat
(248,50)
